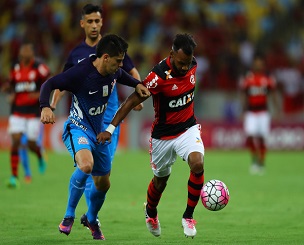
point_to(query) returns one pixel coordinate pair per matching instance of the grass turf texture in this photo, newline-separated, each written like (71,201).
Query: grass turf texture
(262,209)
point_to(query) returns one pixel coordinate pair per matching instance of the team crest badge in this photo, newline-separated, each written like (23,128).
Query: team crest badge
(83,141)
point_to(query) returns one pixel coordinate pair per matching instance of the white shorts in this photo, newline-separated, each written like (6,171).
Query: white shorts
(29,126)
(164,152)
(257,124)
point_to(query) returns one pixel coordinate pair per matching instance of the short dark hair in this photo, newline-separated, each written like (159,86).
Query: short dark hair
(90,8)
(184,42)
(112,45)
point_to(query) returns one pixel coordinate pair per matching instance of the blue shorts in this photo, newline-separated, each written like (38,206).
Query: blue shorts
(76,139)
(114,140)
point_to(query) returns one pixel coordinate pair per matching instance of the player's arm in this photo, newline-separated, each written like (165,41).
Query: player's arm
(57,95)
(47,115)
(130,81)
(62,81)
(134,73)
(124,109)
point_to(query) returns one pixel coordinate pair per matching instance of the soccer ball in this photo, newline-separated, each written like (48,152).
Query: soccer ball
(214,195)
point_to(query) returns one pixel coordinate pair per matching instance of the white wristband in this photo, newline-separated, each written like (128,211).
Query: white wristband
(110,129)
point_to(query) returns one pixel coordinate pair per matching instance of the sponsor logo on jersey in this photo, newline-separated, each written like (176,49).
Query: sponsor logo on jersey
(84,128)
(25,87)
(93,92)
(79,60)
(192,79)
(174,87)
(198,140)
(152,83)
(93,111)
(257,90)
(105,91)
(83,141)
(168,74)
(181,101)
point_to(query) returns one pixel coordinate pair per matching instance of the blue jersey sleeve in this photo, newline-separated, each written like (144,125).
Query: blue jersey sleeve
(62,81)
(127,79)
(127,63)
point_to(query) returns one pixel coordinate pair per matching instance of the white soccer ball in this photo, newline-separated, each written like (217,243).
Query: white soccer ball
(215,195)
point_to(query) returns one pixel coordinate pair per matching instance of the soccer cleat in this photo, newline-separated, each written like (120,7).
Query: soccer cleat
(94,228)
(256,169)
(41,166)
(152,224)
(13,182)
(28,179)
(66,225)
(189,227)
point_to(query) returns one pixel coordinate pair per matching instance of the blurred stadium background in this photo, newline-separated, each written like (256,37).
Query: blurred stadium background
(228,34)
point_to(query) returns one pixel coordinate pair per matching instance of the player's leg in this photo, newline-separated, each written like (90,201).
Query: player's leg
(42,162)
(251,124)
(264,129)
(79,147)
(97,197)
(155,189)
(190,147)
(261,151)
(76,188)
(16,127)
(14,160)
(33,132)
(162,158)
(112,148)
(101,185)
(23,153)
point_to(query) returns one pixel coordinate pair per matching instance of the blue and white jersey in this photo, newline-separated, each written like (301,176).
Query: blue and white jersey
(90,93)
(82,51)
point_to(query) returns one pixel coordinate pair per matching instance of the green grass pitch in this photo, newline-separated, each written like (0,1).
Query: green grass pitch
(265,209)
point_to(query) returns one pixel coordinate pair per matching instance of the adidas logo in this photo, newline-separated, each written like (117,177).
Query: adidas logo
(174,87)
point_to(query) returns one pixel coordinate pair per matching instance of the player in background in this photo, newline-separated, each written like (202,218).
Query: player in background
(25,161)
(26,78)
(257,87)
(91,22)
(175,131)
(91,83)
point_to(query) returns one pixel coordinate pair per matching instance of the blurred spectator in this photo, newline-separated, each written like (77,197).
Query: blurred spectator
(291,84)
(228,32)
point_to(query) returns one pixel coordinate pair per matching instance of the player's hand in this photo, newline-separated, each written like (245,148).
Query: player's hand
(103,137)
(47,116)
(142,90)
(139,107)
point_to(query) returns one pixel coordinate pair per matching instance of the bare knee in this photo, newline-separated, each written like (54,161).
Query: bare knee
(86,167)
(84,160)
(196,162)
(102,183)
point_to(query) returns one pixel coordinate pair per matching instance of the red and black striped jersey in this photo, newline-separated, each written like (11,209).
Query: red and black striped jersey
(256,87)
(26,80)
(172,100)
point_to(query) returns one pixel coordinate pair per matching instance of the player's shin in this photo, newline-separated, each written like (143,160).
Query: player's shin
(195,184)
(76,189)
(97,199)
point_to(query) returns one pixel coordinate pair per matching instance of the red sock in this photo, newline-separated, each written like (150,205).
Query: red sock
(153,196)
(262,150)
(14,161)
(195,184)
(251,145)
